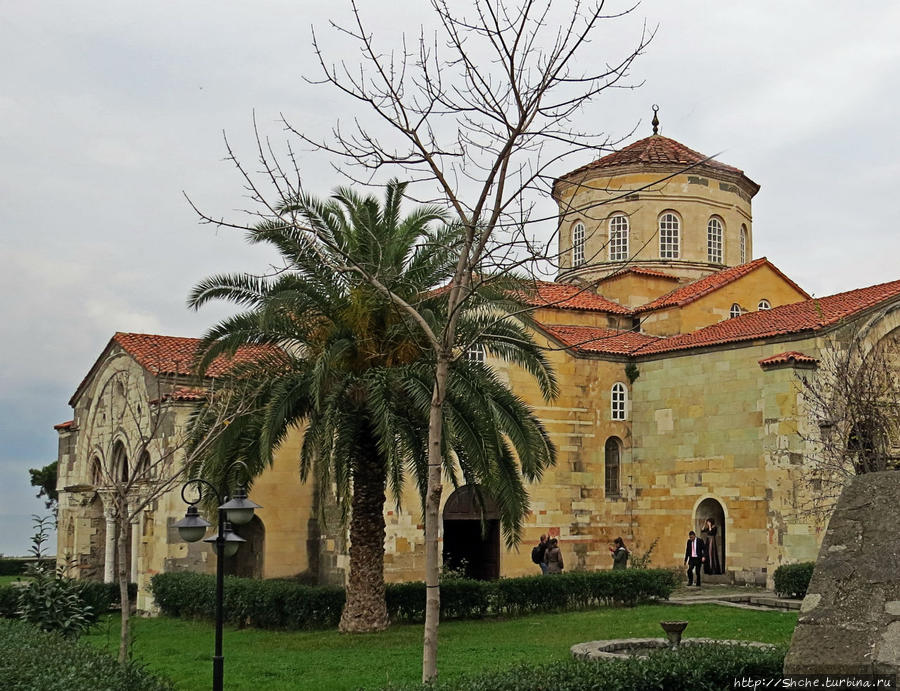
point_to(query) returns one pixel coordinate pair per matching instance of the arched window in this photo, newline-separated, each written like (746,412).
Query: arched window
(618,401)
(618,238)
(475,353)
(96,472)
(669,227)
(611,466)
(120,463)
(743,244)
(735,311)
(578,244)
(764,305)
(142,470)
(714,240)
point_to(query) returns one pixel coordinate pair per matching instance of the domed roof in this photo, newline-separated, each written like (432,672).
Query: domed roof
(657,150)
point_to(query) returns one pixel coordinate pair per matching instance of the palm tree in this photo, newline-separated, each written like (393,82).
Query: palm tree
(358,373)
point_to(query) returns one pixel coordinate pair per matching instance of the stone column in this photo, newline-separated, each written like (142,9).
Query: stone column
(136,529)
(109,555)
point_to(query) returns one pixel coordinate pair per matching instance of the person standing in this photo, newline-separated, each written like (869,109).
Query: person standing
(619,554)
(694,556)
(710,533)
(538,552)
(553,557)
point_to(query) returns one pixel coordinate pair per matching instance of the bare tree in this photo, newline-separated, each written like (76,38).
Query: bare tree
(160,451)
(480,114)
(852,402)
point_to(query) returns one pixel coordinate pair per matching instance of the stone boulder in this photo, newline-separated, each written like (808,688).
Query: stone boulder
(850,618)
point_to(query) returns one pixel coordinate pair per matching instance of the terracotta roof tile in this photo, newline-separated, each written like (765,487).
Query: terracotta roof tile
(791,357)
(657,150)
(566,296)
(639,271)
(68,424)
(175,355)
(589,339)
(187,394)
(692,291)
(808,315)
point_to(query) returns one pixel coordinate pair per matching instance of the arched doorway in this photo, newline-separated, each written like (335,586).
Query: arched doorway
(472,534)
(711,508)
(248,561)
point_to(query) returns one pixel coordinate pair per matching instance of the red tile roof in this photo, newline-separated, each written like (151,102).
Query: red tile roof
(809,315)
(175,355)
(589,339)
(566,296)
(639,271)
(692,291)
(187,394)
(791,357)
(64,425)
(660,151)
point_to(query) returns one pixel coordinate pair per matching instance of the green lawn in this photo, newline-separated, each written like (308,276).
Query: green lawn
(6,580)
(273,660)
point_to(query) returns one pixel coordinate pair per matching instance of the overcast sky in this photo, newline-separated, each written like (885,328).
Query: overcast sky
(109,111)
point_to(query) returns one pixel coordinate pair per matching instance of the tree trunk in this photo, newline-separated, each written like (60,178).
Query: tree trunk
(365,609)
(122,571)
(432,522)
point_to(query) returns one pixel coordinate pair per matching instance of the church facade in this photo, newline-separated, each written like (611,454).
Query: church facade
(678,357)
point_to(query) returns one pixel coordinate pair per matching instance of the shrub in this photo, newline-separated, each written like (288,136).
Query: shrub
(9,601)
(33,659)
(103,596)
(694,668)
(283,604)
(792,580)
(16,566)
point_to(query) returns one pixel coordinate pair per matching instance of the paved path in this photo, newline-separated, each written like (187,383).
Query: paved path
(755,599)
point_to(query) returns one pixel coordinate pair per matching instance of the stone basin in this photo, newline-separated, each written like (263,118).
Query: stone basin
(622,648)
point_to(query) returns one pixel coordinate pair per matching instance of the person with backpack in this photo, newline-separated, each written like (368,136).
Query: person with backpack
(537,554)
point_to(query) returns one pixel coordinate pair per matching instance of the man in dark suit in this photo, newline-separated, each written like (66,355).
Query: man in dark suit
(694,556)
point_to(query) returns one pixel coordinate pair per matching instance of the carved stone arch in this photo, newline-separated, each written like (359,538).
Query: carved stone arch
(118,468)
(710,506)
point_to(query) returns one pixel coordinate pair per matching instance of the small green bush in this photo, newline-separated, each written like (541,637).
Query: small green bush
(692,668)
(792,580)
(103,596)
(282,604)
(9,601)
(33,659)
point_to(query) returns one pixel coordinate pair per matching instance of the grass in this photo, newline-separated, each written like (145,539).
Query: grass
(6,580)
(274,660)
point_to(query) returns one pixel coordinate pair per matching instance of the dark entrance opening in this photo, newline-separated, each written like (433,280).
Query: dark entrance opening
(710,508)
(248,561)
(472,534)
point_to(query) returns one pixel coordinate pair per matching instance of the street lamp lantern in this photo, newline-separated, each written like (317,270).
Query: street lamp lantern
(230,541)
(192,527)
(239,510)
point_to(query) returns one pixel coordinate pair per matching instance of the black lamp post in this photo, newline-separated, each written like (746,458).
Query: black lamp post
(235,511)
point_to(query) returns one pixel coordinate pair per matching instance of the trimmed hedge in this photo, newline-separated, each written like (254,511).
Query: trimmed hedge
(33,659)
(691,668)
(279,604)
(792,580)
(15,566)
(100,596)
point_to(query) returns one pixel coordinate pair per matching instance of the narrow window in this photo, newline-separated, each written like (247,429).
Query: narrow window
(612,453)
(764,305)
(714,240)
(668,236)
(578,244)
(735,311)
(618,238)
(743,244)
(475,353)
(618,401)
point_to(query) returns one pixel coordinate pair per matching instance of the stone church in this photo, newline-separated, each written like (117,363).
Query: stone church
(677,354)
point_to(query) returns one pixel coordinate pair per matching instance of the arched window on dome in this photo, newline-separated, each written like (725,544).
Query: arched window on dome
(669,229)
(743,244)
(612,458)
(578,244)
(714,243)
(618,238)
(618,401)
(764,305)
(735,311)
